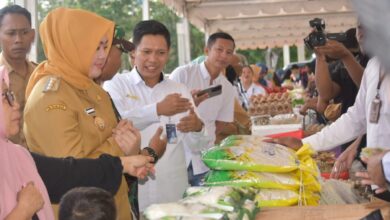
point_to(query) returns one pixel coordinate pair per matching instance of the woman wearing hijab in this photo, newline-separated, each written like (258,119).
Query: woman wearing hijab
(23,194)
(67,113)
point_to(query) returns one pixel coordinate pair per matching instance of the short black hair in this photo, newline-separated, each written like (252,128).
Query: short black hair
(351,41)
(87,203)
(14,9)
(294,66)
(150,27)
(213,38)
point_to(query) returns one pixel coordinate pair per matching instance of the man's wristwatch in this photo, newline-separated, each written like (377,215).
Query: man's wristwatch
(152,153)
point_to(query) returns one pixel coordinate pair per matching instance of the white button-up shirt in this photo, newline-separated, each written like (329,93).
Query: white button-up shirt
(137,102)
(355,121)
(217,108)
(254,90)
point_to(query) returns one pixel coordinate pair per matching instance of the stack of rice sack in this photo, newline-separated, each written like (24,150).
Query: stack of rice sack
(222,202)
(284,177)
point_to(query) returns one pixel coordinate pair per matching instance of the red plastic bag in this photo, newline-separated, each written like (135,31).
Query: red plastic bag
(296,134)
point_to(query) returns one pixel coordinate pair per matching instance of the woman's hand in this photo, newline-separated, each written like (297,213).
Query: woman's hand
(139,166)
(30,201)
(127,137)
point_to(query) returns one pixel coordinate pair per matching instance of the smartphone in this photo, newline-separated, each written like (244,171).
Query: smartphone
(212,91)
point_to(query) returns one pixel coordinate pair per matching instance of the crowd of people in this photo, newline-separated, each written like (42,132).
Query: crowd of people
(74,132)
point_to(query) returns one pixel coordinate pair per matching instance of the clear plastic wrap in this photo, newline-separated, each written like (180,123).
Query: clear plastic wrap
(259,157)
(208,203)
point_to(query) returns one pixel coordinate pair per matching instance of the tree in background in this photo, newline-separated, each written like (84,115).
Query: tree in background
(127,13)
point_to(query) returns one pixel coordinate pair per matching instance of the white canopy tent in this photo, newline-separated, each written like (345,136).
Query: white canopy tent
(265,23)
(252,23)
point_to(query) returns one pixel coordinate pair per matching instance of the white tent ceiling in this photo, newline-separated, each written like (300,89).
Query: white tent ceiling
(265,23)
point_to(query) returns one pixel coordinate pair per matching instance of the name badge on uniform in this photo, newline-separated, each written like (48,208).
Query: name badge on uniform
(171,133)
(90,111)
(375,109)
(98,121)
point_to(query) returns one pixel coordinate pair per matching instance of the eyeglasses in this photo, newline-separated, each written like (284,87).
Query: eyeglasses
(10,97)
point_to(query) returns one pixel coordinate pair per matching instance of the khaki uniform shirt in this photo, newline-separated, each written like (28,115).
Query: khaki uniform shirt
(18,83)
(61,120)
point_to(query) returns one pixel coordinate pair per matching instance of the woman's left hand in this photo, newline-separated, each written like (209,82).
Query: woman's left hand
(127,137)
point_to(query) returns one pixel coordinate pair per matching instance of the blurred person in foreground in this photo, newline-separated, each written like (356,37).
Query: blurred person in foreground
(87,203)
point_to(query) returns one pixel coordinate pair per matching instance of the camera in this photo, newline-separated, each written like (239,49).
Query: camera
(318,37)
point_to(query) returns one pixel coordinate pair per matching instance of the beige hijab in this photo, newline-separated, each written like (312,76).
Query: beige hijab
(70,38)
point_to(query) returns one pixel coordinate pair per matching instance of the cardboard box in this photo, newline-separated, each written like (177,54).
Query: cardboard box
(333,212)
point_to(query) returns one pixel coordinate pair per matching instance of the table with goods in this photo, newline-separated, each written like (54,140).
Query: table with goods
(250,178)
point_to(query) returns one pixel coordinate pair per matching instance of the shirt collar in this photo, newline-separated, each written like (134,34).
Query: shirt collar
(4,62)
(30,66)
(206,75)
(203,70)
(135,77)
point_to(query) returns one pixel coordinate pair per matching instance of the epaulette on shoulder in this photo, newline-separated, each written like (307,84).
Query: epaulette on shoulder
(52,84)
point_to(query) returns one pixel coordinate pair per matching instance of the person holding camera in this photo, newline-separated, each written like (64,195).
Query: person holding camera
(338,73)
(339,70)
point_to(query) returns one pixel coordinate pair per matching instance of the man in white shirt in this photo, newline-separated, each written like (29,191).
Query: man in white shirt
(377,41)
(149,101)
(216,112)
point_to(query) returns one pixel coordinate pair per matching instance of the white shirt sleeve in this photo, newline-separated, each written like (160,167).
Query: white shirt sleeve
(226,112)
(348,127)
(177,74)
(259,90)
(141,116)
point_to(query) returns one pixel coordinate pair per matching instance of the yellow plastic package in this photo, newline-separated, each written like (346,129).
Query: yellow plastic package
(292,181)
(260,157)
(279,197)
